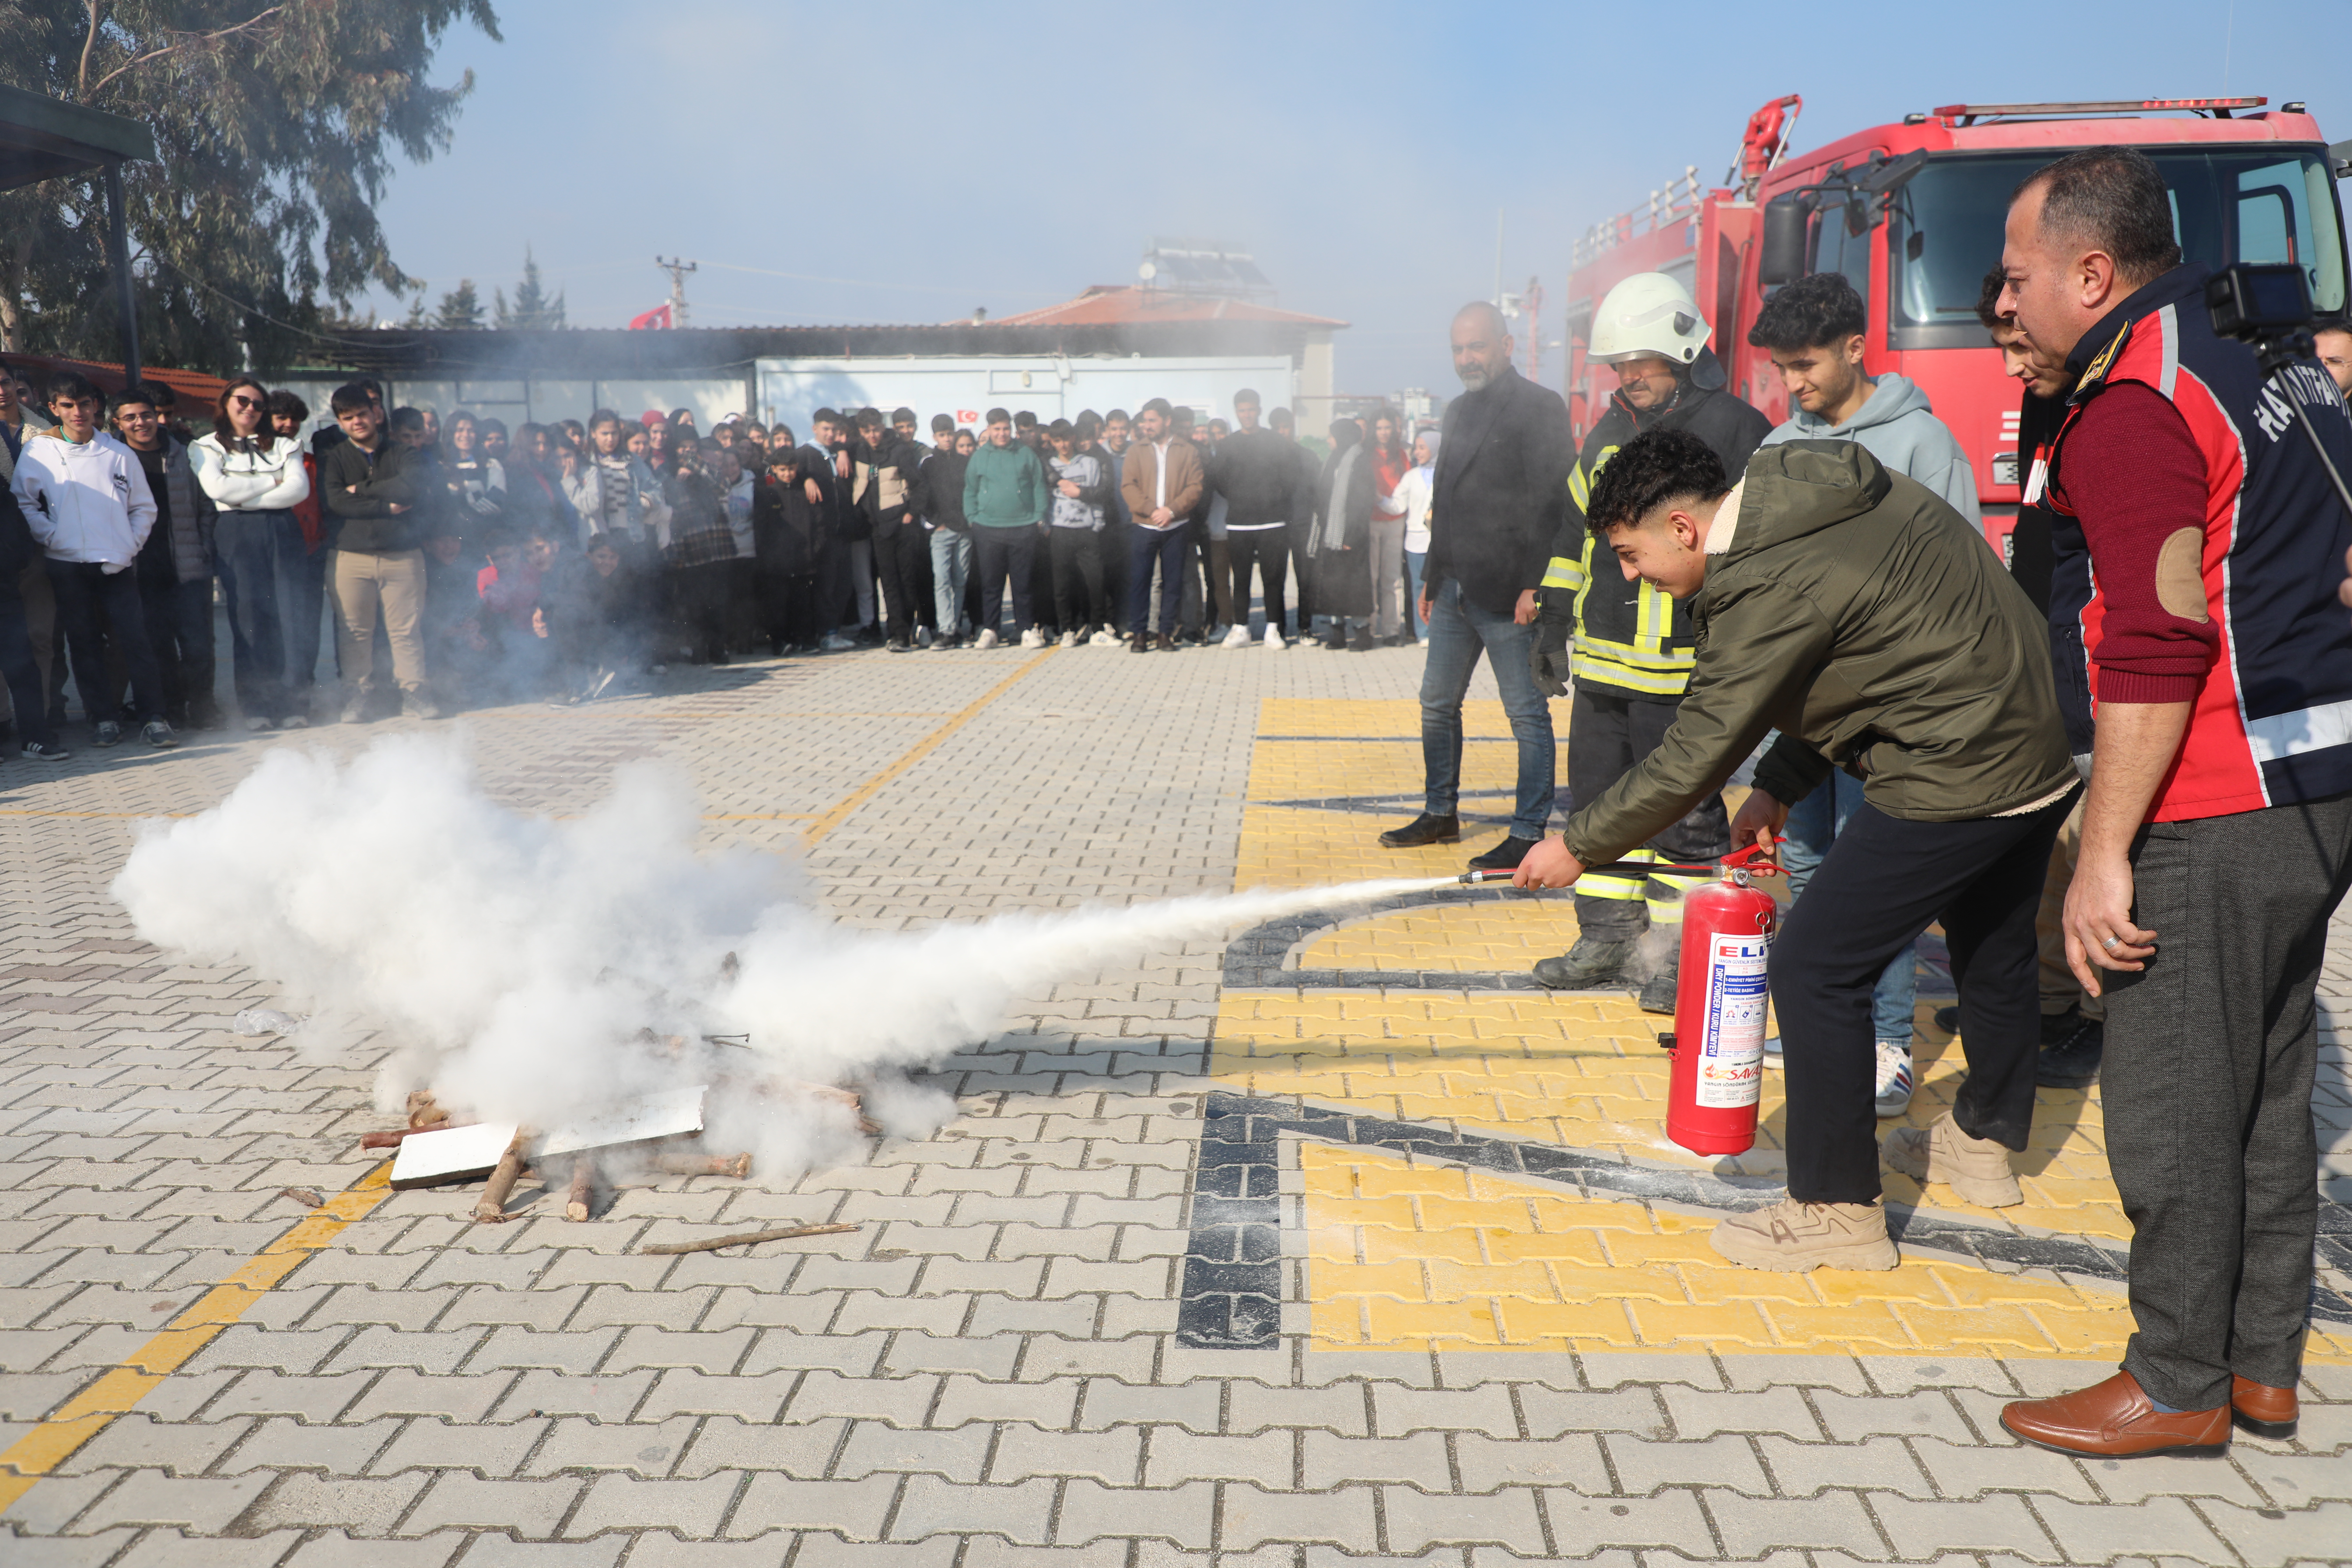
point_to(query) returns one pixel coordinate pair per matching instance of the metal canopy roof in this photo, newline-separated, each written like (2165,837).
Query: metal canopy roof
(41,138)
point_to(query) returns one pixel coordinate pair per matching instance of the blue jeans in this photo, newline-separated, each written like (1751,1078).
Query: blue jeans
(1412,563)
(951,569)
(1458,632)
(259,555)
(1814,824)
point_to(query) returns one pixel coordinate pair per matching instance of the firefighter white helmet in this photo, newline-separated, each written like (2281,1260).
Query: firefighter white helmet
(1648,313)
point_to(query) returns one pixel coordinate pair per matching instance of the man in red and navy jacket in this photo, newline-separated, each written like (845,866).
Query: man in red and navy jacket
(2199,546)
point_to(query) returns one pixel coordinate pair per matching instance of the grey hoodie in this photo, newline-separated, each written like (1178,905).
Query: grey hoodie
(1901,430)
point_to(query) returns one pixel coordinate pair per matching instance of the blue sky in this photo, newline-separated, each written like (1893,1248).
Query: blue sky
(928,159)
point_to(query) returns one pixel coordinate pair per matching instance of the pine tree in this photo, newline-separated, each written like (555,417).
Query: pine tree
(532,310)
(279,126)
(416,319)
(461,308)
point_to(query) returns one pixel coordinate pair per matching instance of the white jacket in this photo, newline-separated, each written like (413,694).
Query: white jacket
(87,502)
(271,480)
(1412,502)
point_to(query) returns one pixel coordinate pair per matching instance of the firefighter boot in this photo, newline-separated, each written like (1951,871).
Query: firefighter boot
(1975,1168)
(1659,990)
(1792,1237)
(1590,965)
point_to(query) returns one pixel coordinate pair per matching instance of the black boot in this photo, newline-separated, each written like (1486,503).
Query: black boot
(1592,965)
(1422,829)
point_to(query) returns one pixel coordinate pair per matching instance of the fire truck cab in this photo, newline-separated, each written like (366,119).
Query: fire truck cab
(1912,213)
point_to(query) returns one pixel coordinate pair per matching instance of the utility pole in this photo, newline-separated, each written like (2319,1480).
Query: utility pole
(678,270)
(1533,302)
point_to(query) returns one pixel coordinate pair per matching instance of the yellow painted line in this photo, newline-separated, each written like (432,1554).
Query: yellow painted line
(916,754)
(123,1386)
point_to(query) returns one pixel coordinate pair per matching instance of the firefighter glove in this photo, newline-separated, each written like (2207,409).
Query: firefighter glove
(1548,659)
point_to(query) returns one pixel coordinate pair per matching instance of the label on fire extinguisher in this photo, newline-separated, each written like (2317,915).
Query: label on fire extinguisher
(1731,1040)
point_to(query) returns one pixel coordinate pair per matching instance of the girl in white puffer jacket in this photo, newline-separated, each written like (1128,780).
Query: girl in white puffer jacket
(254,477)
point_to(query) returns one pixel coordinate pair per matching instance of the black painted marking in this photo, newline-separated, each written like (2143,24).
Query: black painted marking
(1232,1296)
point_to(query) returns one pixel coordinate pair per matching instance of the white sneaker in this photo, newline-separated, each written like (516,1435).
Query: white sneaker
(1104,637)
(1033,637)
(1238,637)
(922,636)
(835,643)
(1894,1078)
(1274,639)
(985,639)
(1069,639)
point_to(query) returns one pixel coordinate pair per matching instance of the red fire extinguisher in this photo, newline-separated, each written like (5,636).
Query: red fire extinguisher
(1719,1038)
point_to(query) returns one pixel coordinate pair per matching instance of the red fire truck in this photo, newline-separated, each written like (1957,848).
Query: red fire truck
(1912,213)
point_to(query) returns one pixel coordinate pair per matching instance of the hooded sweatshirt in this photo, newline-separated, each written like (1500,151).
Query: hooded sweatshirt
(1863,618)
(84,501)
(1902,431)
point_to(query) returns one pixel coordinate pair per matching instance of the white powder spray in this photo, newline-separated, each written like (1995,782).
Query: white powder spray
(529,968)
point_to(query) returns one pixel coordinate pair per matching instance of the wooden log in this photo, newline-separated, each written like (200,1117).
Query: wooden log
(307,1196)
(422,1111)
(748,1238)
(583,1184)
(493,1209)
(736,1165)
(392,1140)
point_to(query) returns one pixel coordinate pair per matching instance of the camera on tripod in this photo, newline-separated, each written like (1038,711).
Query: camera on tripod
(2267,307)
(2266,304)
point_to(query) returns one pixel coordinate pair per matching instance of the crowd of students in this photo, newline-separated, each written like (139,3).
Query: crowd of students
(467,564)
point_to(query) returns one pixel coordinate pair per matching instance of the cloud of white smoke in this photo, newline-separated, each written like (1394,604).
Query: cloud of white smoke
(531,968)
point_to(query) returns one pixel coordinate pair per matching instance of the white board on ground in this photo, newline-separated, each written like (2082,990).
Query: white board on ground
(668,1114)
(452,1154)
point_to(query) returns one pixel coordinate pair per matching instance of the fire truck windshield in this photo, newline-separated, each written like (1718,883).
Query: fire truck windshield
(2227,205)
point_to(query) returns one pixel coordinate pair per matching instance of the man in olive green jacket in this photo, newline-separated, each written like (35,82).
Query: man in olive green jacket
(1854,610)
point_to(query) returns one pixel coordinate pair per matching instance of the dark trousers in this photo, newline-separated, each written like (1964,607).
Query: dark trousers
(1608,736)
(1145,548)
(699,597)
(2207,1088)
(301,616)
(1302,561)
(180,630)
(1078,603)
(1883,883)
(260,562)
(899,548)
(999,554)
(22,669)
(88,595)
(1268,550)
(787,603)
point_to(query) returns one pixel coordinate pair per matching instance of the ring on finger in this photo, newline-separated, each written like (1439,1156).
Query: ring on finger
(2112,943)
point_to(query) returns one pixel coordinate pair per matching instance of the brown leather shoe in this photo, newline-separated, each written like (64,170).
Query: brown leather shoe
(2114,1420)
(2264,1411)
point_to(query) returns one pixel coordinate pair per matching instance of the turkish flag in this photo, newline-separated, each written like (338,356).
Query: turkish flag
(656,317)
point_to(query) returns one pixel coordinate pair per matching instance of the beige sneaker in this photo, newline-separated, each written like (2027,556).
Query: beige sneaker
(1791,1236)
(1975,1168)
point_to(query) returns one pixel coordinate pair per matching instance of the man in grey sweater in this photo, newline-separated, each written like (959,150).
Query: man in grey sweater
(1814,329)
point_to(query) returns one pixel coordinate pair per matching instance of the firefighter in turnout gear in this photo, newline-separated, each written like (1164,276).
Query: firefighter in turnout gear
(1626,647)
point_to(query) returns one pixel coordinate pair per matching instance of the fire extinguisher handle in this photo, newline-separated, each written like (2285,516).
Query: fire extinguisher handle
(1746,859)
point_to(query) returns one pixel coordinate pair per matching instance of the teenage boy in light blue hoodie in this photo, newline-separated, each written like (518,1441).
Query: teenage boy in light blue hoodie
(1814,329)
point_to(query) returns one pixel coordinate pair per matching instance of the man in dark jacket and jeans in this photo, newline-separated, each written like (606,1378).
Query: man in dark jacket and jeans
(1854,610)
(1500,496)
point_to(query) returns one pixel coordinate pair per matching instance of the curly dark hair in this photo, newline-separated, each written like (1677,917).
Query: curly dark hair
(1650,470)
(1816,311)
(1989,294)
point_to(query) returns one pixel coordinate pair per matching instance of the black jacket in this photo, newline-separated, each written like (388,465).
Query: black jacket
(885,480)
(938,490)
(17,546)
(785,527)
(1500,492)
(1258,478)
(836,511)
(366,520)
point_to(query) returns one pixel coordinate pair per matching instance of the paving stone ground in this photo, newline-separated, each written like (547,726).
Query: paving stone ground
(1493,1332)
